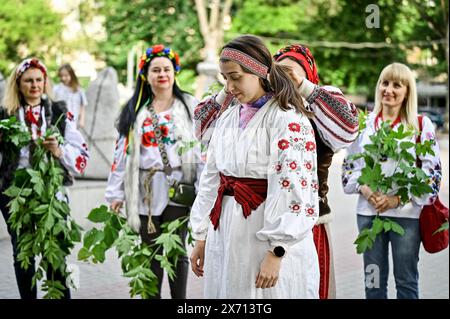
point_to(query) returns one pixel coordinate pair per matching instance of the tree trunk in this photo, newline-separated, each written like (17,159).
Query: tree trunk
(212,33)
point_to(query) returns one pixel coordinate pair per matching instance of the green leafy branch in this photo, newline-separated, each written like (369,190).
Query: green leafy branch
(39,212)
(136,256)
(187,146)
(367,236)
(443,227)
(404,180)
(14,132)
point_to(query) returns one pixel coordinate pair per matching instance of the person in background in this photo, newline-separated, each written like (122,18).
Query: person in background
(70,91)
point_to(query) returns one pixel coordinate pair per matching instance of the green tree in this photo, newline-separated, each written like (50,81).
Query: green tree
(348,52)
(27,28)
(172,23)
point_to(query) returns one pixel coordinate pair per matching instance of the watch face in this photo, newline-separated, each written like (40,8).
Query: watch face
(279,251)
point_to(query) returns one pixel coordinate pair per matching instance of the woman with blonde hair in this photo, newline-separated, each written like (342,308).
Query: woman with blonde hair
(27,99)
(395,102)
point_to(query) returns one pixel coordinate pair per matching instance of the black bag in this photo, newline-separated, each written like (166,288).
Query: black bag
(182,193)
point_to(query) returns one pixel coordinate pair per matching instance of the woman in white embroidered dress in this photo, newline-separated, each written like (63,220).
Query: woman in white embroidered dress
(395,101)
(258,201)
(26,99)
(137,177)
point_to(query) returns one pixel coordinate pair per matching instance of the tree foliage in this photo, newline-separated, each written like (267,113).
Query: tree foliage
(321,24)
(173,23)
(27,27)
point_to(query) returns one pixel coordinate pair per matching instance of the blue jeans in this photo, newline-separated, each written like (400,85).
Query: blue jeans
(405,256)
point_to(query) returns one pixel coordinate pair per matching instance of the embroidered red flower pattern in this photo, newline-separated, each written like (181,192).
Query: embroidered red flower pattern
(80,163)
(293,165)
(294,127)
(308,165)
(149,139)
(303,183)
(286,183)
(278,168)
(283,144)
(164,130)
(315,186)
(167,117)
(310,146)
(310,211)
(295,207)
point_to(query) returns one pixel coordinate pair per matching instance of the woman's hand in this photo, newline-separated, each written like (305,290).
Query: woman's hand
(296,78)
(51,144)
(198,258)
(116,205)
(386,202)
(371,196)
(269,271)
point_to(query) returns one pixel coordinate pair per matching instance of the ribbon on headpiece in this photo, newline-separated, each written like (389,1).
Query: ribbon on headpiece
(30,63)
(245,61)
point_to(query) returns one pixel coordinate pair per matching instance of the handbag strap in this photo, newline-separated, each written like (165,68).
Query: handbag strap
(158,134)
(420,119)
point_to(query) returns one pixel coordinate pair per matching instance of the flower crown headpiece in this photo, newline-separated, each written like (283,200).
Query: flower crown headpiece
(159,50)
(30,63)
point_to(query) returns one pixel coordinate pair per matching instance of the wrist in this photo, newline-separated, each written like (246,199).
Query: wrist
(58,153)
(278,251)
(306,88)
(399,201)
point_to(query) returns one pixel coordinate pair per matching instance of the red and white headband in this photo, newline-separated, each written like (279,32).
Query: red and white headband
(245,61)
(30,63)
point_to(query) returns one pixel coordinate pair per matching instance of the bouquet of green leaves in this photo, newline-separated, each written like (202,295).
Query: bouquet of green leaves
(39,212)
(136,256)
(405,179)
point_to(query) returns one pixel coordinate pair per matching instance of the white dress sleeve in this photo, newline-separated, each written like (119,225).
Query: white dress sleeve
(292,206)
(431,164)
(75,150)
(115,189)
(206,196)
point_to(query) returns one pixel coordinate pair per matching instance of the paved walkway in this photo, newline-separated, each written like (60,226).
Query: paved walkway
(105,281)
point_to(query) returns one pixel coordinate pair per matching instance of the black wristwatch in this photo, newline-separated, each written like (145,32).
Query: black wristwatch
(279,251)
